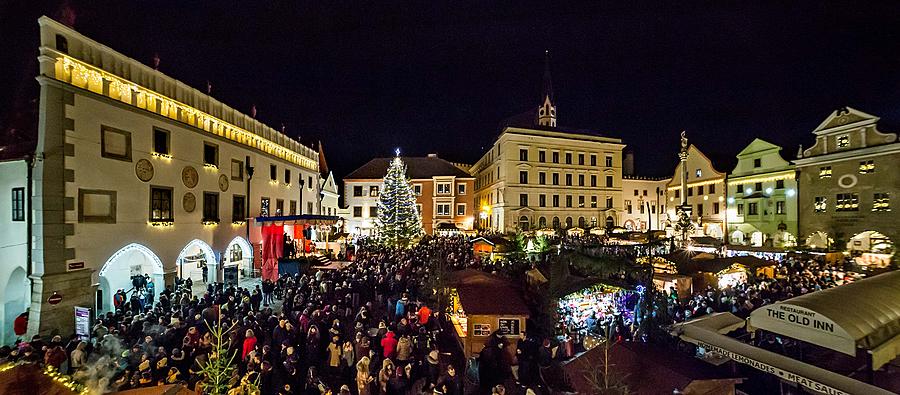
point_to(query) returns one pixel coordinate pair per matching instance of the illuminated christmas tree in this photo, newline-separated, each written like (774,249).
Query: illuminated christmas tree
(399,222)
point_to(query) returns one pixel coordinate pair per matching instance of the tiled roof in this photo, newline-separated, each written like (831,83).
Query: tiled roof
(416,168)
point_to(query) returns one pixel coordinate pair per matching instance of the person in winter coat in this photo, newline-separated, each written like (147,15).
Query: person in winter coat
(249,344)
(334,354)
(404,350)
(389,345)
(78,357)
(450,382)
(363,378)
(385,375)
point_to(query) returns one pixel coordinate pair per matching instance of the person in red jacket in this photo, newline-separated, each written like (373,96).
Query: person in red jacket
(424,313)
(20,325)
(249,344)
(389,344)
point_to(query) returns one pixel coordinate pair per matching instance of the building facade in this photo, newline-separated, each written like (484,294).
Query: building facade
(137,173)
(445,194)
(705,194)
(847,181)
(643,203)
(762,198)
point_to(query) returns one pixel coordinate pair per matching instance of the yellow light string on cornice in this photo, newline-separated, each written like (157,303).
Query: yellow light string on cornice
(697,184)
(752,179)
(82,75)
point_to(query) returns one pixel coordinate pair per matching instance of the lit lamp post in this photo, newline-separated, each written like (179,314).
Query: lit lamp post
(683,223)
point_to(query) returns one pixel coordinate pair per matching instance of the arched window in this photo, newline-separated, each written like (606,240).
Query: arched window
(523,223)
(542,222)
(555,222)
(610,222)
(581,222)
(568,222)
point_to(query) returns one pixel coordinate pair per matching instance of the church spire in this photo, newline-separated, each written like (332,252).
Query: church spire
(546,112)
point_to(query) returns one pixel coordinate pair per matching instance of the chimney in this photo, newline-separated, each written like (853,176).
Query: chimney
(628,164)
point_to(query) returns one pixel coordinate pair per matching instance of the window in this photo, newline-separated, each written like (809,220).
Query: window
(568,179)
(867,167)
(309,208)
(555,157)
(555,178)
(18,204)
(115,143)
(843,141)
(847,202)
(373,211)
(700,210)
(636,193)
(542,156)
(460,189)
(821,204)
(279,206)
(568,158)
(628,207)
(542,178)
(779,184)
(523,199)
(752,208)
(609,202)
(609,160)
(523,154)
(357,211)
(237,170)
(264,206)
(287,176)
(758,187)
(825,172)
(700,190)
(593,159)
(238,208)
(593,180)
(712,188)
(419,210)
(568,200)
(373,190)
(555,200)
(645,192)
(593,202)
(292,207)
(678,193)
(757,162)
(581,159)
(690,191)
(523,177)
(417,189)
(542,200)
(210,154)
(740,209)
(210,206)
(881,202)
(273,172)
(609,181)
(160,204)
(443,209)
(161,141)
(715,208)
(443,188)
(460,209)
(779,207)
(698,173)
(641,207)
(357,190)
(581,180)
(309,183)
(739,189)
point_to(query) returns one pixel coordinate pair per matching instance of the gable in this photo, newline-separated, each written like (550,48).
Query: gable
(758,146)
(842,117)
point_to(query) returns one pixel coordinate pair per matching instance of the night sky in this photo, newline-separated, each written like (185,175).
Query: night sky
(366,77)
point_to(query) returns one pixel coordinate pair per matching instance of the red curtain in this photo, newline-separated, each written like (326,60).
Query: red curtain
(272,249)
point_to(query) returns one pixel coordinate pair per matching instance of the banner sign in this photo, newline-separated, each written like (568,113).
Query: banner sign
(773,370)
(800,316)
(83,322)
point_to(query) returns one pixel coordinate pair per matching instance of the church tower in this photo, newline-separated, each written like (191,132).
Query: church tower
(546,112)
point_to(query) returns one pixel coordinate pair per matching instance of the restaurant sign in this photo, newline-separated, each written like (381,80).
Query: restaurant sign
(800,316)
(773,370)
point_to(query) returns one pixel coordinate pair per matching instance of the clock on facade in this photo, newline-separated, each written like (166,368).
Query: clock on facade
(144,170)
(189,202)
(189,176)
(223,183)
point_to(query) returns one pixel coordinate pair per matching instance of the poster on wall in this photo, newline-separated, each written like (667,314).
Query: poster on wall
(509,326)
(83,322)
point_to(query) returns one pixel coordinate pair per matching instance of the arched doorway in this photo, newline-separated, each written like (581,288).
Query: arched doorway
(737,237)
(568,222)
(555,222)
(15,301)
(132,260)
(239,253)
(523,223)
(196,258)
(610,222)
(582,223)
(542,222)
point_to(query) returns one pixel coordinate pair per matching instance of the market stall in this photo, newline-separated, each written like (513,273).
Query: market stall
(582,310)
(493,247)
(481,303)
(668,281)
(575,232)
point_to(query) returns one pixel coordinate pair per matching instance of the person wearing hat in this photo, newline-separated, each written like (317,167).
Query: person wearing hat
(434,368)
(450,382)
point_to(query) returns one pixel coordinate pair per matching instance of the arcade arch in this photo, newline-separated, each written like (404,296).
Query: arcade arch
(240,253)
(15,301)
(132,260)
(194,258)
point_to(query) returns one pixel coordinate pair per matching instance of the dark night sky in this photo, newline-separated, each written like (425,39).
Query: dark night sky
(365,77)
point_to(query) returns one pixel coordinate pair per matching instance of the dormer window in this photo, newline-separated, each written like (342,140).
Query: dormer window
(698,173)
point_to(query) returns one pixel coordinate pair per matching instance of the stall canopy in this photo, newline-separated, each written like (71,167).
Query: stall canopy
(864,314)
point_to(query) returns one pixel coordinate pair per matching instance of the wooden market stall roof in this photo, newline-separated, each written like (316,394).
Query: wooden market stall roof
(30,379)
(482,293)
(689,265)
(864,314)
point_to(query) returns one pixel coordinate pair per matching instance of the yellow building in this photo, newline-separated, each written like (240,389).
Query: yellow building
(705,194)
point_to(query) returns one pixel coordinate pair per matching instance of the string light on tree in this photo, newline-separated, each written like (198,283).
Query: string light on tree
(399,223)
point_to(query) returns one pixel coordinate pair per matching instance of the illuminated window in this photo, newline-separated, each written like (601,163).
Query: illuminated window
(881,202)
(698,173)
(373,191)
(210,154)
(593,202)
(821,204)
(825,172)
(847,202)
(779,207)
(628,207)
(866,167)
(279,206)
(264,207)
(843,141)
(160,204)
(161,141)
(417,189)
(581,201)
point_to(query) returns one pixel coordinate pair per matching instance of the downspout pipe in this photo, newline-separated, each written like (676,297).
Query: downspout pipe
(29,218)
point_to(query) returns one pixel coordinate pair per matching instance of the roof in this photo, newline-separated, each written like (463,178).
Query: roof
(864,314)
(31,376)
(416,168)
(756,146)
(482,293)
